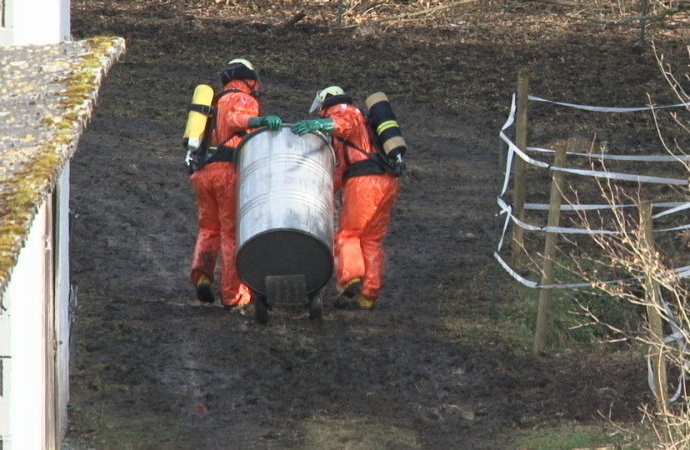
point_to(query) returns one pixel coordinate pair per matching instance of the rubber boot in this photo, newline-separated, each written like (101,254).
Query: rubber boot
(204,292)
(365,302)
(351,289)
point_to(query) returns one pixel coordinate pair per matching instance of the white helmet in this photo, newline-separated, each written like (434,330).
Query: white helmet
(238,69)
(322,95)
(242,61)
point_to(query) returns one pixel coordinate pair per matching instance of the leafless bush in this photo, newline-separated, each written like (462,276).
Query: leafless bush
(657,282)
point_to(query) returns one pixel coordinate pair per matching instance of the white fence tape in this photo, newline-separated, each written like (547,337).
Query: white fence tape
(509,157)
(676,208)
(608,108)
(623,176)
(682,272)
(533,284)
(506,209)
(546,206)
(614,157)
(512,148)
(593,173)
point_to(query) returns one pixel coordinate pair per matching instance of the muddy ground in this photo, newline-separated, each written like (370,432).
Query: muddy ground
(439,363)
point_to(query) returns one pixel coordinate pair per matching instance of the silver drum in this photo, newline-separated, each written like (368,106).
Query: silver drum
(285,208)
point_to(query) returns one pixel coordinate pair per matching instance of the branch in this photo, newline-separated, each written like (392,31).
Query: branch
(558,2)
(427,11)
(651,18)
(407,16)
(296,18)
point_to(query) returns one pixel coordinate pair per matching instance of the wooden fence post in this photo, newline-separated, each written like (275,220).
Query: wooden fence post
(653,299)
(545,295)
(519,184)
(643,23)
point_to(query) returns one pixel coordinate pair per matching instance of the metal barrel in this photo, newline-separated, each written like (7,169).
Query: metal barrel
(285,208)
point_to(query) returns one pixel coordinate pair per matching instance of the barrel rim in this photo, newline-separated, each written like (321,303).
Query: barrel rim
(260,130)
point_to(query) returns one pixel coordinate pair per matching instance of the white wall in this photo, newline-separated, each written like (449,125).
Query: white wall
(35,327)
(36,22)
(63,292)
(25,299)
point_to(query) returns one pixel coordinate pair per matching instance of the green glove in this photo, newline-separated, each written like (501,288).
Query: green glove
(306,126)
(272,122)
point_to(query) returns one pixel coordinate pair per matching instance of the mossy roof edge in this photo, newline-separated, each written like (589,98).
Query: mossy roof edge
(55,99)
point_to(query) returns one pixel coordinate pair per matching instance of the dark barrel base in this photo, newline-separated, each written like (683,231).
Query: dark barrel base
(284,252)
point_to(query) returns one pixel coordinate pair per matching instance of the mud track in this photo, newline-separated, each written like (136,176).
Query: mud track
(436,364)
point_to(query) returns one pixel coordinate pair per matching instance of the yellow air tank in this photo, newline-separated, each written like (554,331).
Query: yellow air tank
(385,125)
(198,117)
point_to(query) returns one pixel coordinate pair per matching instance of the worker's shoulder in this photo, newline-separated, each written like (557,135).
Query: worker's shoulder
(235,96)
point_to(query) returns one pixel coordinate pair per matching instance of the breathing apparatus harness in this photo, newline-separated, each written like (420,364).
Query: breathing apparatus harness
(376,163)
(207,153)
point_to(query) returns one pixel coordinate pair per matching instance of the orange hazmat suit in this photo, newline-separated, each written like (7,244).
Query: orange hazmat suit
(215,185)
(367,203)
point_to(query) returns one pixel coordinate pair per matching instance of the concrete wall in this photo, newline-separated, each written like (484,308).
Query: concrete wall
(35,22)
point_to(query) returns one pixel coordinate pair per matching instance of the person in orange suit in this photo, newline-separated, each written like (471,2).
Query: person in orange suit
(369,192)
(215,185)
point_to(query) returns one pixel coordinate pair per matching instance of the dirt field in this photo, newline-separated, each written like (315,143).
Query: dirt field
(438,364)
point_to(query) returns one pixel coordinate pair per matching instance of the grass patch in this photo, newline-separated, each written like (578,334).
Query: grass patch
(123,431)
(570,326)
(578,437)
(325,433)
(572,322)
